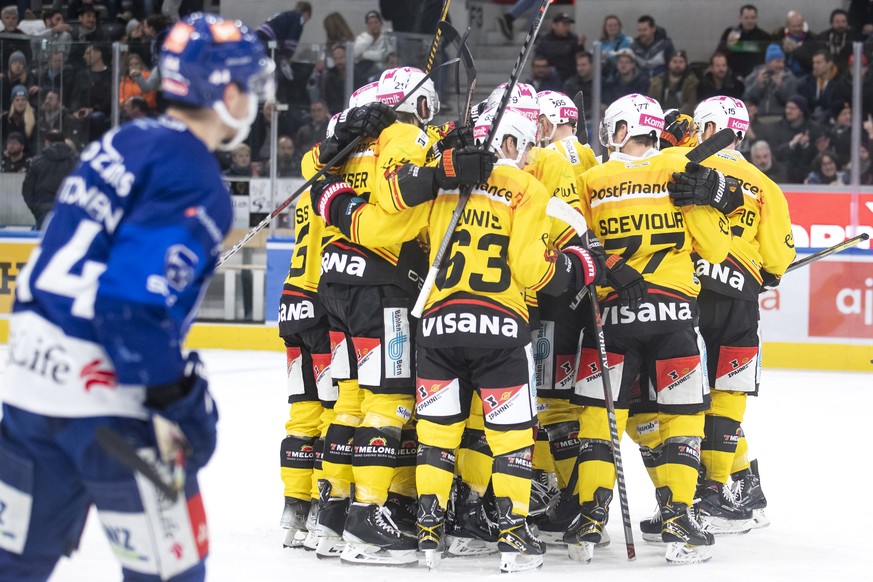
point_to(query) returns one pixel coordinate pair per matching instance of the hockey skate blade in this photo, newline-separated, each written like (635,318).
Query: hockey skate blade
(681,554)
(718,526)
(329,547)
(432,558)
(370,555)
(760,518)
(294,538)
(511,562)
(310,543)
(653,538)
(463,547)
(604,540)
(582,553)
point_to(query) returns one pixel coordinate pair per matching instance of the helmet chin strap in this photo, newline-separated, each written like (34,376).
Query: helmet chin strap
(242,126)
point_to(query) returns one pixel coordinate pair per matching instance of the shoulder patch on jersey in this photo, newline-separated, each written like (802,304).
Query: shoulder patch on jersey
(179,265)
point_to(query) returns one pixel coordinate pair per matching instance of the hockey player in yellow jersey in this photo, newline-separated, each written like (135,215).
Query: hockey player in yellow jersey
(761,249)
(649,322)
(557,130)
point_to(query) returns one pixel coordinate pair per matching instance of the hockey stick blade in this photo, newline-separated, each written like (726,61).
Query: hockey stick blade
(120,449)
(839,247)
(715,144)
(337,159)
(560,210)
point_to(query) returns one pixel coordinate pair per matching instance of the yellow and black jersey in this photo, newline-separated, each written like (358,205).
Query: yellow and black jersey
(580,155)
(760,229)
(500,248)
(399,144)
(627,205)
(298,306)
(434,134)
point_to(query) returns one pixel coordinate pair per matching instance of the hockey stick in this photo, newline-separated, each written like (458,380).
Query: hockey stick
(465,190)
(341,155)
(581,126)
(120,449)
(435,45)
(560,210)
(719,140)
(454,38)
(846,244)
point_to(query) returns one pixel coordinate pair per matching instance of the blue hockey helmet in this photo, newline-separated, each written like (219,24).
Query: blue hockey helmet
(205,53)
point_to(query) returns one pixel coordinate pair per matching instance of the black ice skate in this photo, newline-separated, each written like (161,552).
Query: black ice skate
(719,512)
(403,512)
(294,520)
(686,541)
(373,538)
(749,495)
(431,529)
(520,550)
(651,528)
(331,522)
(557,521)
(474,531)
(586,532)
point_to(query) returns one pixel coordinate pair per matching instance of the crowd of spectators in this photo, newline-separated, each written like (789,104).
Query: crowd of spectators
(796,83)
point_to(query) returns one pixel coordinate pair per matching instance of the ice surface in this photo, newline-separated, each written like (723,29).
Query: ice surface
(809,430)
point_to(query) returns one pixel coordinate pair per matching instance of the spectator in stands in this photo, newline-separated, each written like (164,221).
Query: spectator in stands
(336,30)
(507,19)
(838,39)
(861,16)
(334,84)
(135,107)
(612,40)
(826,90)
(52,115)
(866,153)
(626,78)
(14,160)
(20,119)
(560,46)
(652,47)
(285,29)
(792,124)
(134,69)
(756,127)
(240,162)
(315,128)
(841,133)
(57,76)
(12,39)
(287,159)
(676,88)
(720,80)
(827,170)
(582,81)
(45,173)
(17,74)
(92,94)
(83,34)
(744,44)
(75,7)
(795,38)
(762,158)
(372,48)
(543,76)
(57,30)
(771,84)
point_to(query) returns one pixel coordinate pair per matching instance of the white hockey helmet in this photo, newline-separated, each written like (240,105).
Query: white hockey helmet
(364,94)
(512,123)
(642,115)
(394,84)
(723,111)
(523,99)
(558,108)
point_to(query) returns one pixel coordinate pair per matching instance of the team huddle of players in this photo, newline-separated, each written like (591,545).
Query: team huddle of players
(481,427)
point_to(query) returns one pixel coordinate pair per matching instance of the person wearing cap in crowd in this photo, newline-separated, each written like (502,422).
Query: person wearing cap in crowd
(676,88)
(560,46)
(14,160)
(372,48)
(627,79)
(20,118)
(744,44)
(771,84)
(17,74)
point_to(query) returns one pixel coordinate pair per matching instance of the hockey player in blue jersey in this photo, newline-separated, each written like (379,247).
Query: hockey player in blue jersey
(102,309)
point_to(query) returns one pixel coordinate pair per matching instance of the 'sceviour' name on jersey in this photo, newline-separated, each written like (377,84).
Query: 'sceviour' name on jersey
(637,222)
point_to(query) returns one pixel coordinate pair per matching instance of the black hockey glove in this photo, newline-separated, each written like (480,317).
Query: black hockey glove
(630,285)
(332,196)
(702,186)
(459,137)
(675,129)
(770,281)
(328,149)
(189,404)
(588,267)
(469,165)
(367,120)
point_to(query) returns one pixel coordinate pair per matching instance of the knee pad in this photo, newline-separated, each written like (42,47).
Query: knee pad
(504,442)
(304,419)
(439,435)
(515,464)
(721,434)
(683,450)
(728,404)
(564,439)
(595,450)
(339,444)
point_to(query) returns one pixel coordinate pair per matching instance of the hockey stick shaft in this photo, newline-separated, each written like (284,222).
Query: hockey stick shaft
(581,126)
(526,47)
(435,45)
(713,145)
(337,159)
(846,244)
(562,211)
(117,447)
